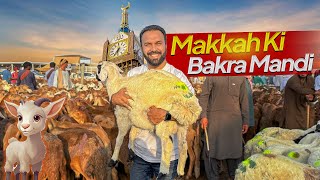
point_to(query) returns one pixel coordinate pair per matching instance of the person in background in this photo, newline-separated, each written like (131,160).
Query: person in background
(225,110)
(6,74)
(61,77)
(277,81)
(317,80)
(316,73)
(14,75)
(27,77)
(264,79)
(50,74)
(251,130)
(284,81)
(299,91)
(257,80)
(250,79)
(271,79)
(317,93)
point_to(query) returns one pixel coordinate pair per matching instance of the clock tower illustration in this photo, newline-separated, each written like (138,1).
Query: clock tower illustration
(124,48)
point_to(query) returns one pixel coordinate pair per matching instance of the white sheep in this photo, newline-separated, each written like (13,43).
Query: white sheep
(310,135)
(308,139)
(314,159)
(283,137)
(299,153)
(276,167)
(153,88)
(31,121)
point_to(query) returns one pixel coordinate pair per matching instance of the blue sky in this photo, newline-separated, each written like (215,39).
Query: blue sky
(39,29)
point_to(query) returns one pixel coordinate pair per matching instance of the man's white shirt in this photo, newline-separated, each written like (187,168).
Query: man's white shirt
(148,145)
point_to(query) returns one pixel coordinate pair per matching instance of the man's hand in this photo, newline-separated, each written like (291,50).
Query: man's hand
(156,115)
(204,123)
(309,97)
(245,128)
(121,98)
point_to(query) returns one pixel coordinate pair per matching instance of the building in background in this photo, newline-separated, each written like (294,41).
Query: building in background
(19,65)
(74,60)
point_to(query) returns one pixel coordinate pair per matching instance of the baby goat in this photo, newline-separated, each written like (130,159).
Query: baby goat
(31,121)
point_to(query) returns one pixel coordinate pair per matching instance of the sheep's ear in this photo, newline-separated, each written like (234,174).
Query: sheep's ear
(53,108)
(12,108)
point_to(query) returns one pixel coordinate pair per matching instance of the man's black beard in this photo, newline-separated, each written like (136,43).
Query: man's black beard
(155,62)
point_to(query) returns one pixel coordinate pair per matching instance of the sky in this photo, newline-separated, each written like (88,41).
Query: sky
(37,30)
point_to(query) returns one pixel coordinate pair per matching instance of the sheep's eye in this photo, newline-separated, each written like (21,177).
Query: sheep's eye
(36,118)
(19,118)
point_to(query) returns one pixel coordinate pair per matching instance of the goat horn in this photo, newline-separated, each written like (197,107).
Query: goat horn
(38,102)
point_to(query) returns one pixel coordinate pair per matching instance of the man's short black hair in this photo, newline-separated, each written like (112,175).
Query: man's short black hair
(27,64)
(153,28)
(52,64)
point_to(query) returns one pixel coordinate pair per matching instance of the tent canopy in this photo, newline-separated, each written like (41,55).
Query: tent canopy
(44,68)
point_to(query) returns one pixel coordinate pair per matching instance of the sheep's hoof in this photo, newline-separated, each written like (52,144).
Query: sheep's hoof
(112,163)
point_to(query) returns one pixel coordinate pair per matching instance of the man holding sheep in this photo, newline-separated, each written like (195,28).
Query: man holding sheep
(147,146)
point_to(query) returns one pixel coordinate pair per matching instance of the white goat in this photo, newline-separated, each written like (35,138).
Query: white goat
(153,88)
(31,121)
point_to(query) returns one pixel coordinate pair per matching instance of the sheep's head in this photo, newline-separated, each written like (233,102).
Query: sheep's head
(31,116)
(108,68)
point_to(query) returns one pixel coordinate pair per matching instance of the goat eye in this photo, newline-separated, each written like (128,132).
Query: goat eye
(19,118)
(36,118)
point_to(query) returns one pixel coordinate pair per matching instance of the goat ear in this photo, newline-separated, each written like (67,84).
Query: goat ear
(53,108)
(12,108)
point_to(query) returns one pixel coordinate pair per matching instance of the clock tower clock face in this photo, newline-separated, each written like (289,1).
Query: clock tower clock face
(118,49)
